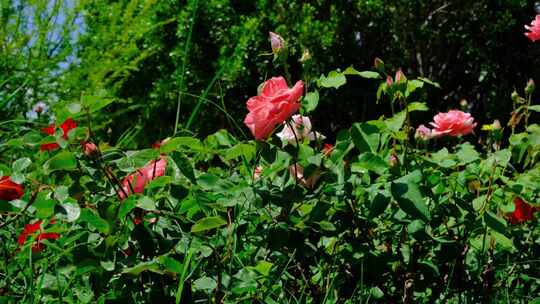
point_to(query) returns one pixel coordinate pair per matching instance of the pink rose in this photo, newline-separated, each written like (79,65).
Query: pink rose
(453,123)
(423,133)
(534,29)
(277,42)
(275,104)
(143,176)
(306,182)
(301,129)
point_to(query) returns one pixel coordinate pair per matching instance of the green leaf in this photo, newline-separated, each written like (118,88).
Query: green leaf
(395,123)
(310,101)
(73,211)
(263,267)
(495,223)
(370,161)
(136,270)
(184,164)
(535,108)
(146,203)
(241,149)
(125,208)
(181,144)
(205,283)
(44,205)
(62,161)
(333,80)
(417,106)
(467,154)
(410,200)
(365,137)
(364,74)
(94,220)
(95,103)
(21,164)
(208,223)
(379,203)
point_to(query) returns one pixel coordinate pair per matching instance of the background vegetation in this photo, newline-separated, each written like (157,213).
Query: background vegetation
(391,219)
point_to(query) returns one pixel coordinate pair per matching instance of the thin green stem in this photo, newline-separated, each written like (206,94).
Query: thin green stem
(184,63)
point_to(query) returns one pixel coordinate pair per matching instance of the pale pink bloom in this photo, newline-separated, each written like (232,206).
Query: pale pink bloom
(89,148)
(423,133)
(306,182)
(275,104)
(139,179)
(301,129)
(452,123)
(257,172)
(277,42)
(534,29)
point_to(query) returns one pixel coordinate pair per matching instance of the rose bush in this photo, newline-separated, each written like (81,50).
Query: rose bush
(382,212)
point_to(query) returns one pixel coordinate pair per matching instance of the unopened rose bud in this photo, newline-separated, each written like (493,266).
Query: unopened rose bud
(496,125)
(515,96)
(463,103)
(277,42)
(400,77)
(89,149)
(378,64)
(530,87)
(389,81)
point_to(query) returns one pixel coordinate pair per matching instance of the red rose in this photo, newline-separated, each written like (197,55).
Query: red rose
(143,176)
(275,104)
(10,190)
(30,229)
(523,212)
(66,126)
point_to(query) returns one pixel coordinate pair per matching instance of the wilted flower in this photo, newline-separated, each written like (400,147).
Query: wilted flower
(275,104)
(138,180)
(423,133)
(10,190)
(38,109)
(277,42)
(534,29)
(301,129)
(452,123)
(523,212)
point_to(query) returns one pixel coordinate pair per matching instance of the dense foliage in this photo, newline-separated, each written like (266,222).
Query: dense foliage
(111,191)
